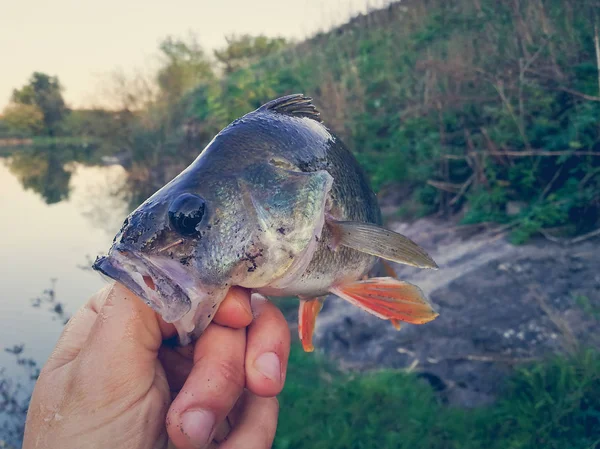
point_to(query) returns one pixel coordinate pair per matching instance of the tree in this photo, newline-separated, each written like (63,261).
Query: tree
(24,118)
(185,67)
(132,92)
(241,51)
(44,92)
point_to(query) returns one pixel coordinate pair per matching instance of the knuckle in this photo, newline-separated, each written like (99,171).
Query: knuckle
(232,371)
(270,318)
(45,373)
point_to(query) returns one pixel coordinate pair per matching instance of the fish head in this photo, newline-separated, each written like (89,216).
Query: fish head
(208,230)
(153,253)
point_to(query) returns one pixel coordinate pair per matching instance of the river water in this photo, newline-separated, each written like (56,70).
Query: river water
(45,245)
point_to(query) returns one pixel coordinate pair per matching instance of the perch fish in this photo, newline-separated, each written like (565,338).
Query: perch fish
(277,204)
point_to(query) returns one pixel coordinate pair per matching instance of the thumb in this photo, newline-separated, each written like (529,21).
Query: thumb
(122,346)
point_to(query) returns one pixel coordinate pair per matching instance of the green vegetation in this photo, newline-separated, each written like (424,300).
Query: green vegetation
(587,306)
(470,105)
(38,107)
(555,405)
(483,108)
(25,118)
(38,117)
(242,51)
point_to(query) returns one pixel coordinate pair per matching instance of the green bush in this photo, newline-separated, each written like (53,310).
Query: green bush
(554,404)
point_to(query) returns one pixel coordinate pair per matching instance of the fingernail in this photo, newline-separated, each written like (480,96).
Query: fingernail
(197,426)
(243,301)
(257,301)
(269,366)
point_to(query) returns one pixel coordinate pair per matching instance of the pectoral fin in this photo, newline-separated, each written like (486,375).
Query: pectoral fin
(307,318)
(372,239)
(388,299)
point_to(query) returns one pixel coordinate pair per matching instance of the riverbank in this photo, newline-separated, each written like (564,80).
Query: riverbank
(500,306)
(512,360)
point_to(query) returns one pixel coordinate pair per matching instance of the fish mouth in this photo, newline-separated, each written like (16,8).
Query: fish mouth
(153,284)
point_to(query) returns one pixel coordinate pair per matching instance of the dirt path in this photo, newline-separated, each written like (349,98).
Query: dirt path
(499,305)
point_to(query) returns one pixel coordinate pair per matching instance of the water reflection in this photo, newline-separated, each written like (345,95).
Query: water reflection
(47,169)
(51,228)
(42,171)
(103,195)
(61,209)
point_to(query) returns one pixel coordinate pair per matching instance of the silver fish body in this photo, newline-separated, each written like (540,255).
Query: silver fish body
(251,210)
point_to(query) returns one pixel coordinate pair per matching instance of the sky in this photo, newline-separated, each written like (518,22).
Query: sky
(84,41)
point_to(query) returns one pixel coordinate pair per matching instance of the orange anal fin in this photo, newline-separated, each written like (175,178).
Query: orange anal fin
(388,299)
(389,271)
(307,318)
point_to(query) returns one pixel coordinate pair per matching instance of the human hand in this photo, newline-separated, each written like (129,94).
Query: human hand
(113,382)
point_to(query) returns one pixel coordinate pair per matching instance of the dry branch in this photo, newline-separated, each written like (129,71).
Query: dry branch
(583,237)
(579,94)
(445,186)
(495,358)
(462,190)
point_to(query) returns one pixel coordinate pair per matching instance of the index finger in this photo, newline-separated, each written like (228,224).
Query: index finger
(235,309)
(212,388)
(267,350)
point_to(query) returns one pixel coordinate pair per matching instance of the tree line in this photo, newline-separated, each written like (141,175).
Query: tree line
(38,107)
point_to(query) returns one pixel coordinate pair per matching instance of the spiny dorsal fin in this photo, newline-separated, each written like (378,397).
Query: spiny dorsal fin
(296,105)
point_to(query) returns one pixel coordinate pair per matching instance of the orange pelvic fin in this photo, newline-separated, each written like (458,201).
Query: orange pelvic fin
(396,323)
(388,299)
(307,318)
(389,270)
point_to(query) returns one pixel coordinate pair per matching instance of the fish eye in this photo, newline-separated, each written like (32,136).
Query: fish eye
(186,212)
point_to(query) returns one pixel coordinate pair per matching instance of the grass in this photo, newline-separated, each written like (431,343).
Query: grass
(554,404)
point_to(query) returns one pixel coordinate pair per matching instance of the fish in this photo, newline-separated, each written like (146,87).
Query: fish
(275,203)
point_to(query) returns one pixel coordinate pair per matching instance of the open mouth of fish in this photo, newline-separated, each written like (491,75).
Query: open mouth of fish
(151,280)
